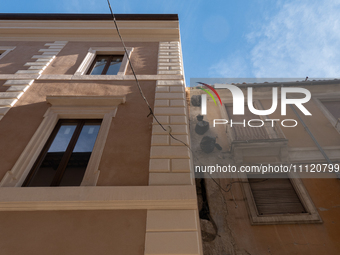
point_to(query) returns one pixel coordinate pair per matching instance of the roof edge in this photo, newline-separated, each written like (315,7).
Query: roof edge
(289,83)
(78,16)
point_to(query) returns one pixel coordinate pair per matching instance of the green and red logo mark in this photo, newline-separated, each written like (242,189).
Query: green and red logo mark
(209,93)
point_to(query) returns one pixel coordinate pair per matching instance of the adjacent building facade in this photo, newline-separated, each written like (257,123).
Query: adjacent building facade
(279,212)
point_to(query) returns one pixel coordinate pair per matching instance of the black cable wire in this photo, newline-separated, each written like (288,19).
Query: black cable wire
(146,101)
(230,184)
(128,58)
(138,85)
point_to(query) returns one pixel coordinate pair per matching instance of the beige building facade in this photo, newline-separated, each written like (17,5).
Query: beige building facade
(83,169)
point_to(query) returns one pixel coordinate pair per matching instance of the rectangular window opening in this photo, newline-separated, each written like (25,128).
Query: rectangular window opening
(106,65)
(275,195)
(65,156)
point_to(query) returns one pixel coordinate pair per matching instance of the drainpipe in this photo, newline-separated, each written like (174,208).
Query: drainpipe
(313,138)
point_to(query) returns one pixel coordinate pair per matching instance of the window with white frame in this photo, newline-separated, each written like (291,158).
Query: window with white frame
(278,198)
(65,156)
(105,61)
(89,114)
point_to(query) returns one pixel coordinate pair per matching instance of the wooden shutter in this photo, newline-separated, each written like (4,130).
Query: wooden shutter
(275,195)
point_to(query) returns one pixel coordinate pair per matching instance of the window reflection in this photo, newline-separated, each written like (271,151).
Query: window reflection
(87,138)
(106,64)
(80,157)
(115,65)
(66,154)
(100,63)
(62,138)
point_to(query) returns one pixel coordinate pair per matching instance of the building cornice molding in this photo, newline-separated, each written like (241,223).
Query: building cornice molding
(93,30)
(85,16)
(97,198)
(147,77)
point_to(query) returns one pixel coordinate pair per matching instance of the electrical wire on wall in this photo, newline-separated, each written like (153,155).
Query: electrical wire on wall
(137,82)
(229,186)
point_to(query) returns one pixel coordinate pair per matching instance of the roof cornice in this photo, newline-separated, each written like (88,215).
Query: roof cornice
(133,27)
(73,16)
(290,83)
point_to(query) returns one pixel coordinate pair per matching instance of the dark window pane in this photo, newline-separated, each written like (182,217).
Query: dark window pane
(66,154)
(106,64)
(100,63)
(115,65)
(45,174)
(80,157)
(75,169)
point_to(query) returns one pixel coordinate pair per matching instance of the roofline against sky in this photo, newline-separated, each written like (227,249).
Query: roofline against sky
(77,16)
(289,84)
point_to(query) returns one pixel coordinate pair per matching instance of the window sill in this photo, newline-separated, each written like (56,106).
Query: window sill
(285,219)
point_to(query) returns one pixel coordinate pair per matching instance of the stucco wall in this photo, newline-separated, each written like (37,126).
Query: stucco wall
(2,88)
(130,132)
(23,53)
(278,239)
(318,124)
(73,232)
(143,57)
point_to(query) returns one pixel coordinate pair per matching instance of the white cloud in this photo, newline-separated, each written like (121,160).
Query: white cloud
(301,39)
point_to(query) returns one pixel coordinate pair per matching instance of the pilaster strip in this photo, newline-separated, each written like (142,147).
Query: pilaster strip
(171,110)
(169,231)
(169,58)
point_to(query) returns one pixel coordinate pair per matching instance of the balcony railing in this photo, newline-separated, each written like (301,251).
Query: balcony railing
(268,132)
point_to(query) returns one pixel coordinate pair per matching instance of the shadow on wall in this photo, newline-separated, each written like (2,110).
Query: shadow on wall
(144,57)
(3,88)
(125,160)
(16,129)
(23,53)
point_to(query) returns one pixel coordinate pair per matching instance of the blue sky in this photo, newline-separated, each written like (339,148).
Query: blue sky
(258,38)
